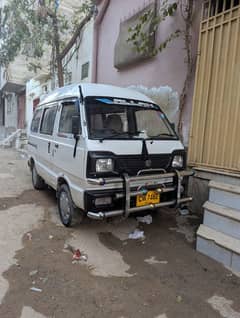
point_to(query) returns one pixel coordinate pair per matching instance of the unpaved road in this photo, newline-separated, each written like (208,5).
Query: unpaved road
(160,276)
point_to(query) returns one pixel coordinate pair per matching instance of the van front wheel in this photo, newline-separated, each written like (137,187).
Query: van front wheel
(67,210)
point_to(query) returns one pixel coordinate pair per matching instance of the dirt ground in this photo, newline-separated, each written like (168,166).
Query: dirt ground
(159,276)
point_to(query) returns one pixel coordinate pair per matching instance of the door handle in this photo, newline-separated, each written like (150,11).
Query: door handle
(49,145)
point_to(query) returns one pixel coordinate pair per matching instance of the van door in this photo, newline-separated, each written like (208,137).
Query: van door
(65,164)
(45,145)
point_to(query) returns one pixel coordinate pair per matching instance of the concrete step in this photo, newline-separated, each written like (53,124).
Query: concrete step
(221,247)
(9,141)
(222,219)
(225,194)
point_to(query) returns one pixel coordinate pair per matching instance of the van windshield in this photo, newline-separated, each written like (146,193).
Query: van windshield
(121,119)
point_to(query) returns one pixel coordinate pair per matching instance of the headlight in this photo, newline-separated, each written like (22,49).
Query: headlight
(104,165)
(177,161)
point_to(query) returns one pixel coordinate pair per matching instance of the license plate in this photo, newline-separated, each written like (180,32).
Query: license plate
(152,197)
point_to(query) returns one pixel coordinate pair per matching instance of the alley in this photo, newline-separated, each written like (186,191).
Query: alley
(160,275)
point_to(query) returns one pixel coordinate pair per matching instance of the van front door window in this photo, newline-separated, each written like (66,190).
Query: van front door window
(65,123)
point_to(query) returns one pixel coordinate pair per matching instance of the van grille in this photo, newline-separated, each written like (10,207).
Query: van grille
(132,164)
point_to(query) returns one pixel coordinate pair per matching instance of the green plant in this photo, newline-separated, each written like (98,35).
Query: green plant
(141,40)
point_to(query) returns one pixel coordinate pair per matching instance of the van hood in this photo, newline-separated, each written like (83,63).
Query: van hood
(135,147)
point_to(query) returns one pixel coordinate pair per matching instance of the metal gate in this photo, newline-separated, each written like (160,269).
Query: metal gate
(215,128)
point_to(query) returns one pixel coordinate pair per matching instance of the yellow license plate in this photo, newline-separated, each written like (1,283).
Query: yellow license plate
(152,197)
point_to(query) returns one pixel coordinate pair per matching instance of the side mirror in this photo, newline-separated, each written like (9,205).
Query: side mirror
(173,126)
(76,125)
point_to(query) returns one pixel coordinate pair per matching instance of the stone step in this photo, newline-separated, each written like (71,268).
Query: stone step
(225,194)
(221,247)
(222,219)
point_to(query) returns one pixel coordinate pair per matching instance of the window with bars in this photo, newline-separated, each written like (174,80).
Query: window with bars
(85,70)
(213,7)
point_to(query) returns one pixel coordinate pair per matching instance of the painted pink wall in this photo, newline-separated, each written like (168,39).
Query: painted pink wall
(168,68)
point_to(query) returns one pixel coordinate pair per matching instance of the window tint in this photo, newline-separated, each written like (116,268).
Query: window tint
(48,120)
(36,120)
(65,124)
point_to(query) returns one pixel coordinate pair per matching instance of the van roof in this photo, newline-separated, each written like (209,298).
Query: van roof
(90,89)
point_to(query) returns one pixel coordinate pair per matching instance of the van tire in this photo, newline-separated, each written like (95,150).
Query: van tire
(37,181)
(70,215)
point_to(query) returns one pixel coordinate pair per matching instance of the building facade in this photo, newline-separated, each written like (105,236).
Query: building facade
(77,63)
(168,68)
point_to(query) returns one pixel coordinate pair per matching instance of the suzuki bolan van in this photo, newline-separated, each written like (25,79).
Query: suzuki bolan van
(107,151)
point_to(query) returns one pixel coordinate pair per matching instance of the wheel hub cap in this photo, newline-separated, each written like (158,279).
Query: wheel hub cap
(64,206)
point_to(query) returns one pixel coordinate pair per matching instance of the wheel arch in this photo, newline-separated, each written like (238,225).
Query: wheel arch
(60,181)
(31,162)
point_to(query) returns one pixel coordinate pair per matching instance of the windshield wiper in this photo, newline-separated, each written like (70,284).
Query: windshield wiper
(162,135)
(117,134)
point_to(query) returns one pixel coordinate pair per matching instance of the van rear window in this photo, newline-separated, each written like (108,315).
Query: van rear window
(36,120)
(48,120)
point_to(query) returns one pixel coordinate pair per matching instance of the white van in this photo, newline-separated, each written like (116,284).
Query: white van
(107,151)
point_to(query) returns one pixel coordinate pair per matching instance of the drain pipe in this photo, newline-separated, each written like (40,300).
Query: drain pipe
(97,23)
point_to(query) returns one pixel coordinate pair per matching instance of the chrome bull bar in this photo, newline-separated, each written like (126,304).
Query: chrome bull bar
(157,180)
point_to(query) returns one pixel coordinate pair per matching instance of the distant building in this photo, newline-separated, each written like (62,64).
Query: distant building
(21,90)
(77,63)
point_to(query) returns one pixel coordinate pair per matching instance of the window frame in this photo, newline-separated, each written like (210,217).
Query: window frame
(131,120)
(85,70)
(39,123)
(42,119)
(69,135)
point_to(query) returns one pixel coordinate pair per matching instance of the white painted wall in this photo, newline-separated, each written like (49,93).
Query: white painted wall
(2,78)
(80,54)
(11,113)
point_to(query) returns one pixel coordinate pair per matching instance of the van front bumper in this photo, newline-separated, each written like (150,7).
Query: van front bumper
(170,186)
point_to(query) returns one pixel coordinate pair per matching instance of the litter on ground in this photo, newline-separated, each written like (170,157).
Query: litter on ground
(29,236)
(179,299)
(184,211)
(38,290)
(77,255)
(32,273)
(84,258)
(44,279)
(147,219)
(137,234)
(152,260)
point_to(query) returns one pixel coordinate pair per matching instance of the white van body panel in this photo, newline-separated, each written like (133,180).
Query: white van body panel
(134,147)
(72,91)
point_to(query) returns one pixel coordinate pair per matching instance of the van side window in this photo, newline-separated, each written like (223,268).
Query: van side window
(65,123)
(36,120)
(48,120)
